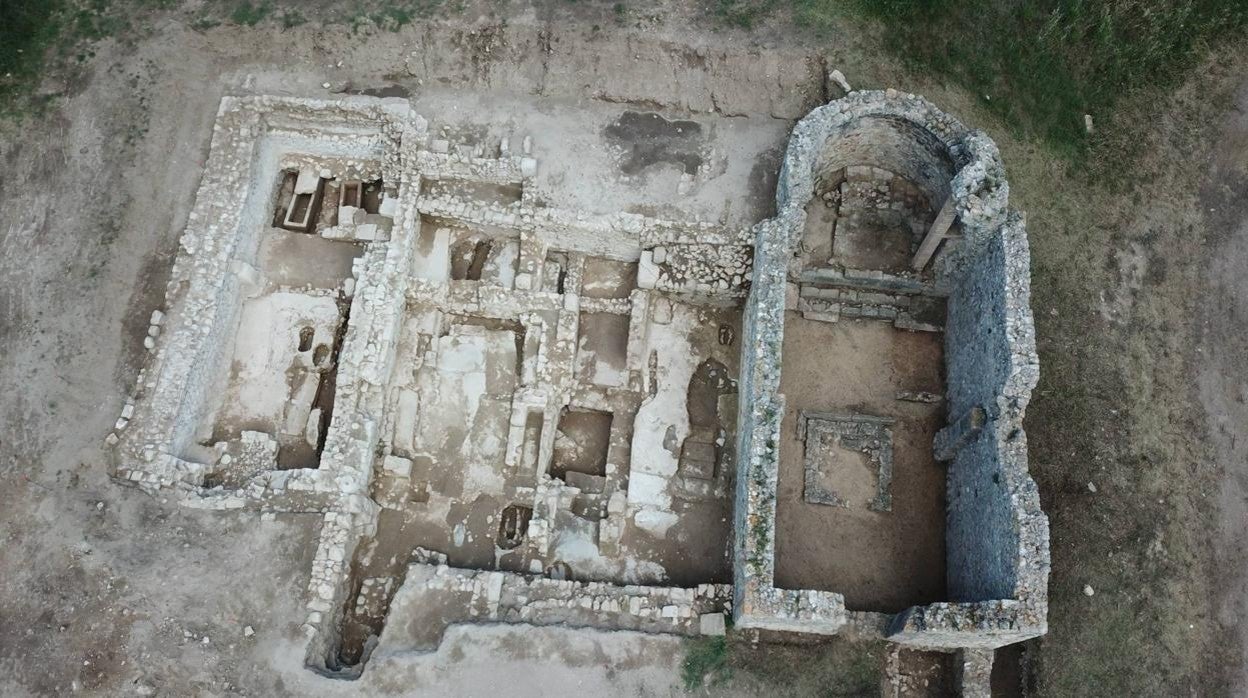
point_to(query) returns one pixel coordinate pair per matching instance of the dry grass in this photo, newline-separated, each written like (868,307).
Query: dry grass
(1039,67)
(1115,405)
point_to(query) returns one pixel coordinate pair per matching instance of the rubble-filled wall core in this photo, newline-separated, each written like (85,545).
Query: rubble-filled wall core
(518,413)
(996,535)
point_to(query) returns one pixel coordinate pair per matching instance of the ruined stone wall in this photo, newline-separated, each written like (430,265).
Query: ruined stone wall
(905,134)
(200,283)
(757,603)
(366,363)
(758,418)
(328,585)
(997,535)
(435,596)
(214,266)
(256,191)
(894,144)
(254,138)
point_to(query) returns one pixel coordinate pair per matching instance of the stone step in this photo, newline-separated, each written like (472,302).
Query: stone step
(871,280)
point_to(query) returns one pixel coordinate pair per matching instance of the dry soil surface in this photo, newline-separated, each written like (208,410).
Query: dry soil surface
(1223,373)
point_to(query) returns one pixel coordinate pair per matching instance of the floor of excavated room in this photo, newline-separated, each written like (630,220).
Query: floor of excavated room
(880,560)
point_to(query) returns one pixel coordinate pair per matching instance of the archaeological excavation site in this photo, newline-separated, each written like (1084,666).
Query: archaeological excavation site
(495,409)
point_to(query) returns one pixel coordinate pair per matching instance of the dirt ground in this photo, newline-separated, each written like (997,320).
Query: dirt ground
(1139,294)
(880,560)
(1222,379)
(1131,272)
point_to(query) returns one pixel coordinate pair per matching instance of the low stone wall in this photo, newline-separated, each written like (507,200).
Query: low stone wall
(250,139)
(997,535)
(253,138)
(434,597)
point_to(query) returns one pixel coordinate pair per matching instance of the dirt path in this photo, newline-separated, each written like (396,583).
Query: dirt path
(1223,377)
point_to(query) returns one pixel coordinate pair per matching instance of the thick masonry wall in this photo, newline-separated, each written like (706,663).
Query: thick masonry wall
(759,411)
(365,365)
(255,139)
(435,596)
(997,538)
(215,264)
(895,144)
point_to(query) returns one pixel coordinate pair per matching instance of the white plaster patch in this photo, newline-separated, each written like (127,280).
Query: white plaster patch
(653,464)
(265,349)
(655,521)
(574,547)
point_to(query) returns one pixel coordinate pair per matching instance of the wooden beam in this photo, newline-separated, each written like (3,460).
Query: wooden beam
(938,232)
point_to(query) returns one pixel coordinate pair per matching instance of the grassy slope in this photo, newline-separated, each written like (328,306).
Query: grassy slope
(26,29)
(1039,66)
(42,37)
(1114,407)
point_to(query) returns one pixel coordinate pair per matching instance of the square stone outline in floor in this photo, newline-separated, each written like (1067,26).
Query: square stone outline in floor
(870,434)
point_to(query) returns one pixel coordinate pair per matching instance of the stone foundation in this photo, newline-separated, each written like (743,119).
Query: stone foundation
(454,286)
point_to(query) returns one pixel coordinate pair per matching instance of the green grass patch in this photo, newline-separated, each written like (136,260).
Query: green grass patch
(53,37)
(38,37)
(391,15)
(396,15)
(27,28)
(292,18)
(835,667)
(1040,66)
(249,14)
(743,13)
(706,656)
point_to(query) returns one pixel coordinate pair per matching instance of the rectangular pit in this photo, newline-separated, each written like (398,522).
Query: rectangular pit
(581,443)
(608,278)
(602,349)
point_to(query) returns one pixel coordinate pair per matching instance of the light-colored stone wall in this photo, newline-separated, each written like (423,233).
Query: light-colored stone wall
(434,597)
(254,140)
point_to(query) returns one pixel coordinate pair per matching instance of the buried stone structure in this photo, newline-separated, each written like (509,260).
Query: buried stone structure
(500,411)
